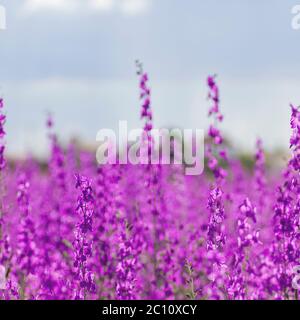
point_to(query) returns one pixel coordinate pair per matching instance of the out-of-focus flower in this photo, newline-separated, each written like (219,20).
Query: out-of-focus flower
(83,239)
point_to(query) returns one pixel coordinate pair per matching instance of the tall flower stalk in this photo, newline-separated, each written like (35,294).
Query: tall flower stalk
(2,162)
(2,135)
(215,235)
(286,252)
(126,268)
(247,237)
(27,251)
(2,166)
(260,173)
(83,238)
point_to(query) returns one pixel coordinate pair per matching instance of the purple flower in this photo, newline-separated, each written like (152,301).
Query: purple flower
(126,267)
(2,135)
(83,239)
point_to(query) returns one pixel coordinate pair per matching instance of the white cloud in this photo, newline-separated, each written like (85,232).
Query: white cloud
(104,5)
(134,7)
(126,7)
(59,5)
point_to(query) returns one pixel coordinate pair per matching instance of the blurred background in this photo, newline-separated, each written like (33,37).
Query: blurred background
(75,59)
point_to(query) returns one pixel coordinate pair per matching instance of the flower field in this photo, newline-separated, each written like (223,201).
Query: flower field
(77,230)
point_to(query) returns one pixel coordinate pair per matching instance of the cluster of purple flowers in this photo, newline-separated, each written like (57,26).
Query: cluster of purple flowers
(2,135)
(76,230)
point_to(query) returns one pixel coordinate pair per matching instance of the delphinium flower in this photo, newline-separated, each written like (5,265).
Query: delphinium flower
(145,96)
(286,252)
(58,161)
(55,225)
(4,238)
(109,213)
(194,247)
(117,255)
(216,227)
(110,226)
(215,234)
(2,135)
(162,230)
(58,167)
(137,218)
(26,254)
(247,236)
(175,245)
(216,237)
(125,271)
(5,266)
(213,151)
(260,178)
(146,204)
(6,250)
(100,226)
(154,194)
(2,161)
(58,183)
(83,238)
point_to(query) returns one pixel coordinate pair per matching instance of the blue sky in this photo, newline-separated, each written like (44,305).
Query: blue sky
(75,58)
